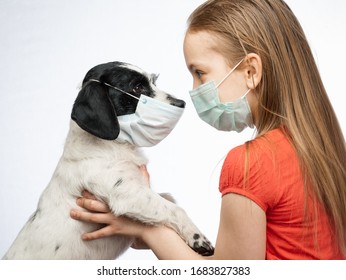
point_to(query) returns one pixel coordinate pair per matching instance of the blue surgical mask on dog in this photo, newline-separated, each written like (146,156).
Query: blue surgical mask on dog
(152,121)
(230,116)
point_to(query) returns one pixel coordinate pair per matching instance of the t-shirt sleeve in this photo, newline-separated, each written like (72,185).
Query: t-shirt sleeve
(248,173)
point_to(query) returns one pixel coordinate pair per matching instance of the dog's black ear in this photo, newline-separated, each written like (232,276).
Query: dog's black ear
(94,112)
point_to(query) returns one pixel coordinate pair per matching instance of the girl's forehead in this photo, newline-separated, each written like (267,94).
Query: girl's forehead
(202,39)
(200,47)
(198,44)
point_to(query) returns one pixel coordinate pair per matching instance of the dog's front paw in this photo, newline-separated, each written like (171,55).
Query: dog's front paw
(200,244)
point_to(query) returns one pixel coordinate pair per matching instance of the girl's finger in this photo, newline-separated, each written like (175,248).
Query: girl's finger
(103,232)
(89,195)
(92,205)
(92,217)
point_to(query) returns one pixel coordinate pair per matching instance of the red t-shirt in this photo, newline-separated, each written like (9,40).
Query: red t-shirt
(275,183)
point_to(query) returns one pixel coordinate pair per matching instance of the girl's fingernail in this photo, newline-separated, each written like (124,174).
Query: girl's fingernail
(73,214)
(84,237)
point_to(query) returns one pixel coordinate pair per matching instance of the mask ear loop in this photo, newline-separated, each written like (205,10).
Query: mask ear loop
(230,72)
(118,89)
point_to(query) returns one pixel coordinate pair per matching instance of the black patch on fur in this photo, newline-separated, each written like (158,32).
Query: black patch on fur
(118,183)
(176,102)
(203,250)
(57,247)
(34,216)
(98,105)
(196,236)
(94,112)
(118,75)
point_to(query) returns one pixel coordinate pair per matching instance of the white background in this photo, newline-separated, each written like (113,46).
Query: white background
(47,47)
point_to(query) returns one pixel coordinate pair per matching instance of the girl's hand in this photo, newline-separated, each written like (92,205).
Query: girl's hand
(99,213)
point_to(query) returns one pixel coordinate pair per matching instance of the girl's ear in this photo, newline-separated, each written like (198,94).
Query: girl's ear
(253,70)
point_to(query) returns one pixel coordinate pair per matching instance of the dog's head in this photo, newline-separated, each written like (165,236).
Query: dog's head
(98,105)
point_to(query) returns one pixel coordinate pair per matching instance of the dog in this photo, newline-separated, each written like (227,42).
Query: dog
(95,160)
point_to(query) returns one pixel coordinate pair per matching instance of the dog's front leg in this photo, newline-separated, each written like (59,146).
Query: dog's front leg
(127,193)
(142,204)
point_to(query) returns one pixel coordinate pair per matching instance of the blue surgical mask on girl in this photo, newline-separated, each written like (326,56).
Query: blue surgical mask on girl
(230,116)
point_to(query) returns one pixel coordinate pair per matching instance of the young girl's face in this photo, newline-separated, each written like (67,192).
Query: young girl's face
(206,64)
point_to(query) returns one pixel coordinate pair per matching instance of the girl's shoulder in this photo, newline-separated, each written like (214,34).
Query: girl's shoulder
(262,159)
(260,169)
(271,144)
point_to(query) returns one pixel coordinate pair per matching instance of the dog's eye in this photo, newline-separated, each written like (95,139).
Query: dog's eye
(138,89)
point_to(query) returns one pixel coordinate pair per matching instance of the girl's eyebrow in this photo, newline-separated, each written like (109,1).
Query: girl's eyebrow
(193,66)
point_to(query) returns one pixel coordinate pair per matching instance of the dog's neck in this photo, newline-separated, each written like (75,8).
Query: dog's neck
(81,145)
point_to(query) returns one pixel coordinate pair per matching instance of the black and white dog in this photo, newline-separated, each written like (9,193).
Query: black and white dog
(94,160)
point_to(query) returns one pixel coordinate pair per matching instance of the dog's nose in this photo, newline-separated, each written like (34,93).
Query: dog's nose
(177,102)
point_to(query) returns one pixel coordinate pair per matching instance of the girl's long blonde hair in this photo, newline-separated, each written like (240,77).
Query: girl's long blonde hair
(291,93)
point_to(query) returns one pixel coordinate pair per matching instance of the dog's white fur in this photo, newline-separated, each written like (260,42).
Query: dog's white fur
(109,170)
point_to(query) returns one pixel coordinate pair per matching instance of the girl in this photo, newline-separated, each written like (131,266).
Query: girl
(284,192)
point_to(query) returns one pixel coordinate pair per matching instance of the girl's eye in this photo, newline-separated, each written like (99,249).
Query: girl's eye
(199,74)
